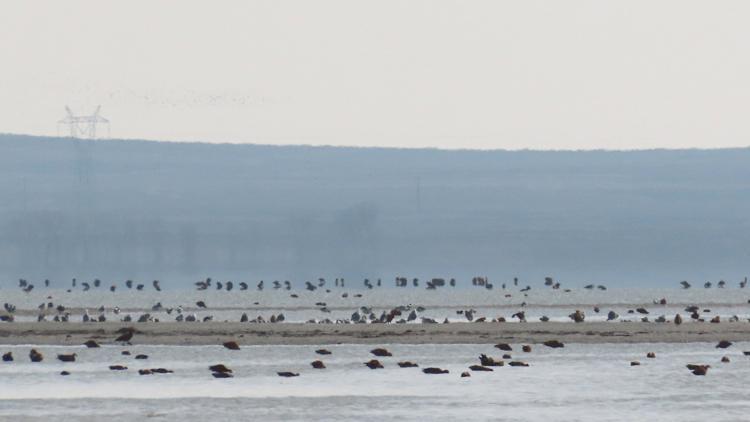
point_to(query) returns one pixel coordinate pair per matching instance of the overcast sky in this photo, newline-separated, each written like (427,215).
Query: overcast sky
(449,74)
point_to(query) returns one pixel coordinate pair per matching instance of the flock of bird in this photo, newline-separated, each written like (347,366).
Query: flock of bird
(400,281)
(485,363)
(362,315)
(48,311)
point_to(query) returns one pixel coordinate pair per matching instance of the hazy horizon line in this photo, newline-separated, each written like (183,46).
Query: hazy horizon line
(364,147)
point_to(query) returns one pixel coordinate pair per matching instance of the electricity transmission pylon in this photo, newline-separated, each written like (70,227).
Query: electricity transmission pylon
(83,126)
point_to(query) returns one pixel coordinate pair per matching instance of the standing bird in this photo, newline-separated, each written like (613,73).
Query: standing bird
(126,336)
(35,356)
(156,285)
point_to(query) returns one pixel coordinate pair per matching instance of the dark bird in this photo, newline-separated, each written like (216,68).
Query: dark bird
(374,364)
(323,352)
(380,352)
(434,371)
(118,368)
(577,316)
(504,346)
(126,334)
(219,368)
(287,374)
(518,363)
(8,357)
(232,345)
(521,315)
(485,360)
(35,356)
(698,369)
(156,285)
(317,364)
(201,304)
(91,344)
(480,368)
(407,364)
(723,344)
(553,344)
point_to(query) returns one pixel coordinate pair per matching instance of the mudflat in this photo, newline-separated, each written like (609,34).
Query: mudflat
(207,333)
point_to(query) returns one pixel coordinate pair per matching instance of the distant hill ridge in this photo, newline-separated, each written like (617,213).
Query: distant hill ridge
(179,211)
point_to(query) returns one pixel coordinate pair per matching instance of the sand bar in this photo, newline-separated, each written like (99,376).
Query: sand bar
(51,333)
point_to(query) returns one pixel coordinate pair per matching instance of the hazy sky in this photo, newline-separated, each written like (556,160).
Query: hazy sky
(449,74)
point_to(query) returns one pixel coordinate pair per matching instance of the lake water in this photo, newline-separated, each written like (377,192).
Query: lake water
(577,383)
